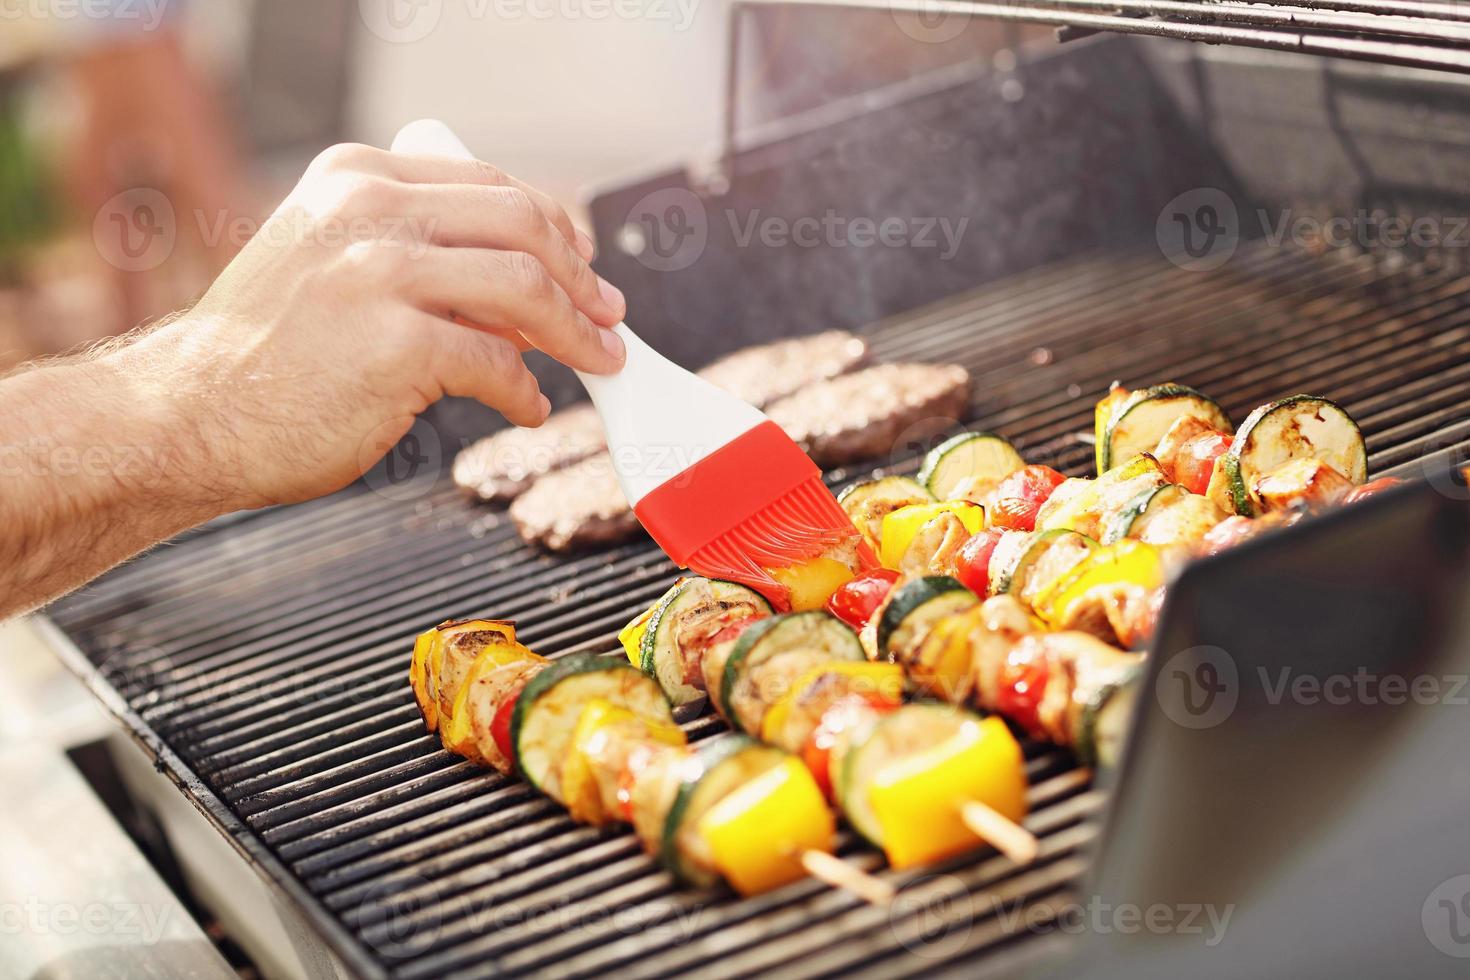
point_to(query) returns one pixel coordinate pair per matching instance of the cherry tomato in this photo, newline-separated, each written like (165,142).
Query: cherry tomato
(973,562)
(1369,489)
(1022,683)
(854,602)
(1195,461)
(500,725)
(1020,496)
(838,719)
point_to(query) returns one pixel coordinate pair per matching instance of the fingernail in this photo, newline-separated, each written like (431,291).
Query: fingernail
(585,247)
(612,296)
(613,344)
(545,407)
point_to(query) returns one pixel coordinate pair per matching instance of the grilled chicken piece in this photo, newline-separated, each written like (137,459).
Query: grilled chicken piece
(502,466)
(460,642)
(769,681)
(1185,428)
(1079,664)
(1003,622)
(864,415)
(484,699)
(1183,521)
(1308,483)
(935,549)
(579,506)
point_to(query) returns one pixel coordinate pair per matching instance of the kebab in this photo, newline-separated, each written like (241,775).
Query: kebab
(599,737)
(919,781)
(1093,554)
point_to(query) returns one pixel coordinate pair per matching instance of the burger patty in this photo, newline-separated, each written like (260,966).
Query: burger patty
(853,417)
(503,466)
(574,507)
(760,375)
(862,416)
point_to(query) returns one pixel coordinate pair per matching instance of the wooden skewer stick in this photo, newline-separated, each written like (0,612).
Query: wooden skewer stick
(838,873)
(1000,832)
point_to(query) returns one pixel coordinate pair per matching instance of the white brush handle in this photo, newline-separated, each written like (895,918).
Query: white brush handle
(660,419)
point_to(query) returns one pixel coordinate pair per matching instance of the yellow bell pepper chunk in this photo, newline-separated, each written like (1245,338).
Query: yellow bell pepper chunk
(758,832)
(455,731)
(918,800)
(598,718)
(878,680)
(1102,414)
(1123,563)
(426,694)
(631,636)
(901,526)
(813,582)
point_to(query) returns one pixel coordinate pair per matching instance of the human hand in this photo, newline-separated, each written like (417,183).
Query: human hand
(382,283)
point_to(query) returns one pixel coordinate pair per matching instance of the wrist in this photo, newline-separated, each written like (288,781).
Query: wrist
(163,446)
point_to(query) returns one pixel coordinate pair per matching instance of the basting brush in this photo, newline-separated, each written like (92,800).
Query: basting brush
(721,488)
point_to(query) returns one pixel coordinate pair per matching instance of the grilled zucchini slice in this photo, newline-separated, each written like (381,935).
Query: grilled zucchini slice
(915,608)
(1122,522)
(546,713)
(1296,427)
(1107,712)
(966,463)
(771,655)
(867,503)
(1049,556)
(1135,423)
(1003,559)
(682,625)
(723,766)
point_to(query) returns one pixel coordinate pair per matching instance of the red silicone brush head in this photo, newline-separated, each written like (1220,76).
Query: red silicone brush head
(756,503)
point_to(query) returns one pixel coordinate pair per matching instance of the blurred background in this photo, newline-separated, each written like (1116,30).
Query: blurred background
(113,111)
(219,105)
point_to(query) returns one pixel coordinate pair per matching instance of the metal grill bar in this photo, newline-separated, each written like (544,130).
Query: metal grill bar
(270,653)
(1400,36)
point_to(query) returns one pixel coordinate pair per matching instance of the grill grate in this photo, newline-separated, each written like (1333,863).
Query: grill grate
(1411,33)
(263,660)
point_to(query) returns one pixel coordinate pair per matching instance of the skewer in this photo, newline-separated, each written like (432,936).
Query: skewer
(1000,832)
(832,870)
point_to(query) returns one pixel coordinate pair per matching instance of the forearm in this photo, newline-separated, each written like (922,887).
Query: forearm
(98,461)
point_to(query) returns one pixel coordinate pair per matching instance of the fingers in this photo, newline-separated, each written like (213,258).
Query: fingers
(513,337)
(445,170)
(507,218)
(479,365)
(503,290)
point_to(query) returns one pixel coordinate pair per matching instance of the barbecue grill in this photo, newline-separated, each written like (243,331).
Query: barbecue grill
(261,661)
